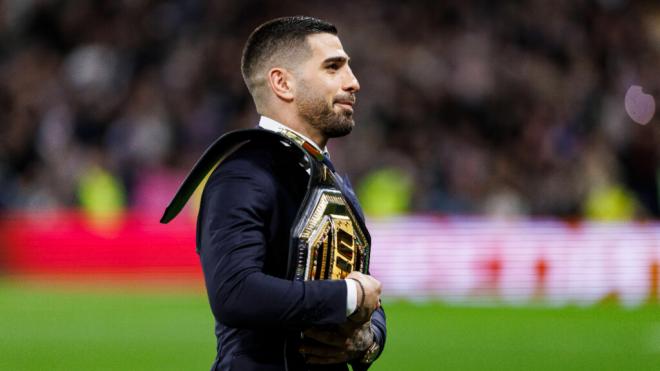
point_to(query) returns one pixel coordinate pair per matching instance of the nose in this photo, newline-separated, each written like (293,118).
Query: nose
(351,83)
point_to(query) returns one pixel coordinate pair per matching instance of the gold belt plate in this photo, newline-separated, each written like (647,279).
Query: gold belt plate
(334,242)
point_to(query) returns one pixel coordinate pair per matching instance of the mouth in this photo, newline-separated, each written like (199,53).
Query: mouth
(346,104)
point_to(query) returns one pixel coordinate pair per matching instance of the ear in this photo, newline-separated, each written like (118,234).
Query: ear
(281,82)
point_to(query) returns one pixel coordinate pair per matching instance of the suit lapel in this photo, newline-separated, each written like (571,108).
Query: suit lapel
(347,190)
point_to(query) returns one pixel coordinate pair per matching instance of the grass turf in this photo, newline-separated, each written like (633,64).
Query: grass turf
(60,329)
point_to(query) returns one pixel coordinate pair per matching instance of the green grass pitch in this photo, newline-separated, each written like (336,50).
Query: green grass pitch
(63,329)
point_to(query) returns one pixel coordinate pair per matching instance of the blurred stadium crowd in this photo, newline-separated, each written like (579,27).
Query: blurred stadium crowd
(467,107)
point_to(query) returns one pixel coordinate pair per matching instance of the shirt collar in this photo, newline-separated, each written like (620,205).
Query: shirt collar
(272,125)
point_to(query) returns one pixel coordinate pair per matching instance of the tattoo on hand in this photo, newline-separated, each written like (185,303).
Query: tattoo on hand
(337,345)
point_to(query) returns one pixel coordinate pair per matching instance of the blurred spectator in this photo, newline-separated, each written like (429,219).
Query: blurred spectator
(386,192)
(500,108)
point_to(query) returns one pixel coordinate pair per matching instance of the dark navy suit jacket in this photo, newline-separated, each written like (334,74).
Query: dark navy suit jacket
(248,207)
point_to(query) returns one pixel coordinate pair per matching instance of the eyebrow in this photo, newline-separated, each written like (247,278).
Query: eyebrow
(336,59)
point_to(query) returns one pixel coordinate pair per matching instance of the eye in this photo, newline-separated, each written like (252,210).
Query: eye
(333,66)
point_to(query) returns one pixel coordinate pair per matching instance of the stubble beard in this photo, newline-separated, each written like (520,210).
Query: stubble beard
(316,111)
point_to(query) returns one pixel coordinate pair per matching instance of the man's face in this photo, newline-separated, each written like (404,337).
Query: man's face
(326,88)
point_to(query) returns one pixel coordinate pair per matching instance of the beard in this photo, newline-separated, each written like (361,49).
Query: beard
(316,111)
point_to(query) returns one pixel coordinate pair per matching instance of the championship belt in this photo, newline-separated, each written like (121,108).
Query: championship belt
(328,238)
(328,241)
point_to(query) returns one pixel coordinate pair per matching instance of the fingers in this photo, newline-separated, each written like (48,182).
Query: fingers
(333,338)
(323,354)
(345,338)
(361,339)
(326,361)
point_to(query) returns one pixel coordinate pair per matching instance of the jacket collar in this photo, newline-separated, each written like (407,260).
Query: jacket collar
(277,127)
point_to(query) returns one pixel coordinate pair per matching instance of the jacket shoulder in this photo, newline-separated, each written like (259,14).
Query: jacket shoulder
(266,152)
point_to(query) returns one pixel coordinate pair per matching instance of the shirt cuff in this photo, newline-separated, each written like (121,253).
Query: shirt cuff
(351,297)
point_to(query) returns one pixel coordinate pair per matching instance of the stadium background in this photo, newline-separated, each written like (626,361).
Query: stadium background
(507,154)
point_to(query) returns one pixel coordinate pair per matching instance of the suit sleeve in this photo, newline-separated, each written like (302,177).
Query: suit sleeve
(237,205)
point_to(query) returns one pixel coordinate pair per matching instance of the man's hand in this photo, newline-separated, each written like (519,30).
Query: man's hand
(368,296)
(337,345)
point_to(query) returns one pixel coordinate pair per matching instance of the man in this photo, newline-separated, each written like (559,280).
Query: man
(298,75)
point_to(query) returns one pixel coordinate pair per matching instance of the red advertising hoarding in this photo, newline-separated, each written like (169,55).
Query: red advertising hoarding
(460,260)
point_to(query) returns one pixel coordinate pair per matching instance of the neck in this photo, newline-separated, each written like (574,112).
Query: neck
(296,123)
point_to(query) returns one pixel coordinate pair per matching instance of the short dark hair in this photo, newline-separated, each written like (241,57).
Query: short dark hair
(276,41)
